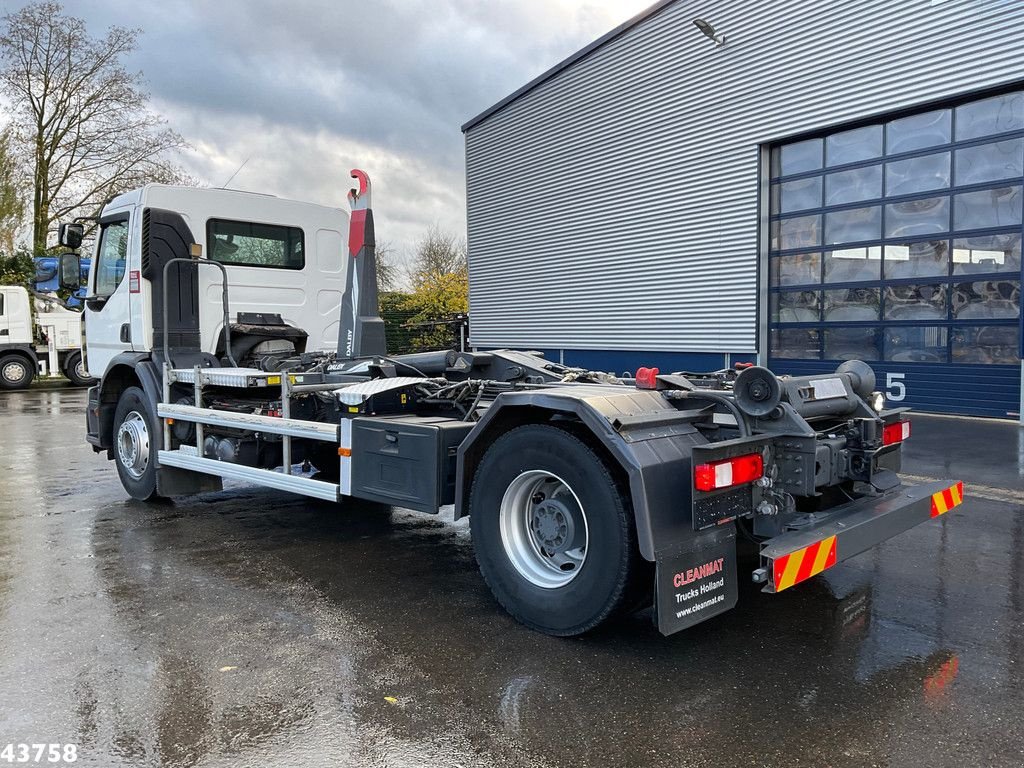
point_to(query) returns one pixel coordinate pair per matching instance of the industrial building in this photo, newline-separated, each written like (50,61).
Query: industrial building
(796,182)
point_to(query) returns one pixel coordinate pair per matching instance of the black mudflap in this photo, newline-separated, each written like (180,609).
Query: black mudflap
(171,481)
(697,579)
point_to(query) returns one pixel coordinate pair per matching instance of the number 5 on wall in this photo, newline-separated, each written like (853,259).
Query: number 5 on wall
(895,388)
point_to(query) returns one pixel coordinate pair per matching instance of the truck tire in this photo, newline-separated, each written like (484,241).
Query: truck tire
(553,532)
(135,443)
(74,370)
(16,372)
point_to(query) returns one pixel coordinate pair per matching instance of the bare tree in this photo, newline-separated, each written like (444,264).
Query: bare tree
(438,253)
(388,273)
(12,204)
(81,119)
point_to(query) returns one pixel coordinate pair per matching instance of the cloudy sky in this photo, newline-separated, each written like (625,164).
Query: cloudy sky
(307,89)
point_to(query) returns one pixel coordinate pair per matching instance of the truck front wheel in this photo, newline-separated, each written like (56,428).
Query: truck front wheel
(135,444)
(74,370)
(15,372)
(553,532)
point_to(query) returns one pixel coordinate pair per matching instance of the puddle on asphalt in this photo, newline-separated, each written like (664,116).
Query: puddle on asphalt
(252,627)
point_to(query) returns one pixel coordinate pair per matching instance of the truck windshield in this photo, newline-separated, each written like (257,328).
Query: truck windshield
(255,245)
(110,257)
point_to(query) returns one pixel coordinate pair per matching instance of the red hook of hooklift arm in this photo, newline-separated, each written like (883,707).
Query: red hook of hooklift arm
(362,195)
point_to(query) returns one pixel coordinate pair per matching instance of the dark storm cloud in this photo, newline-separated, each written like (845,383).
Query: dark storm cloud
(307,89)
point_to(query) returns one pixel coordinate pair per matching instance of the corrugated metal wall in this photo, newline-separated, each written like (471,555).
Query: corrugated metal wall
(615,205)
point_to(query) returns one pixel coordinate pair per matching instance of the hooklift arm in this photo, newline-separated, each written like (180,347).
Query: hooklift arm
(362,329)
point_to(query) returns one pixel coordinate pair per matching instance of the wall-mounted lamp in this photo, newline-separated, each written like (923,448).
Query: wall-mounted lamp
(709,30)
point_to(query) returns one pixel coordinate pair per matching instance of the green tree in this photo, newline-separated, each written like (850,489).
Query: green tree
(400,338)
(12,205)
(439,277)
(81,121)
(17,268)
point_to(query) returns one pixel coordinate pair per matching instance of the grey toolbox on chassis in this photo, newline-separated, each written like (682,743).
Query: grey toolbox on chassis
(589,495)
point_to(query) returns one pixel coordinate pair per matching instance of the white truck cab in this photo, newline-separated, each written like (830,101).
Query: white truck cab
(15,317)
(48,343)
(283,258)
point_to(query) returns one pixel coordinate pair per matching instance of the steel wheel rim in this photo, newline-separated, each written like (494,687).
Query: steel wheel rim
(14,371)
(80,371)
(133,445)
(544,529)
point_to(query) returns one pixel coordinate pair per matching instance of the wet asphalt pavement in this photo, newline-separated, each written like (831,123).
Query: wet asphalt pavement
(255,628)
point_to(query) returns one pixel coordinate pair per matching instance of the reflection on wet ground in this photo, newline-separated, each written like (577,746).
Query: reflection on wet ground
(255,628)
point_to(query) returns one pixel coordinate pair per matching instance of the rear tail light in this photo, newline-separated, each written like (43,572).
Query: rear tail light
(896,432)
(725,474)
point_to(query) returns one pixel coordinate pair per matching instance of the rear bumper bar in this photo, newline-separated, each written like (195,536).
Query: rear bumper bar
(854,528)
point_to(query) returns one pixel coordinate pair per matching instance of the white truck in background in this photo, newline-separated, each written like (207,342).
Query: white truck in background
(47,344)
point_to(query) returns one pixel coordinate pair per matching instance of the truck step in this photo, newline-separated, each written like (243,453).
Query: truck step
(269,478)
(311,430)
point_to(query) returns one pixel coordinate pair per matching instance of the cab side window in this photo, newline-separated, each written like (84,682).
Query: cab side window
(111,256)
(248,244)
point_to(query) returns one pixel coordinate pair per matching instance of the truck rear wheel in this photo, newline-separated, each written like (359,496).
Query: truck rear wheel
(553,532)
(74,370)
(135,444)
(16,372)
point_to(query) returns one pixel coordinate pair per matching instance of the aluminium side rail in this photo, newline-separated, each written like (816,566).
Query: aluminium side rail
(191,457)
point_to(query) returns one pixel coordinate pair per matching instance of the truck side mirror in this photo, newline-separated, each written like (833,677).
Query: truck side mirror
(71,235)
(69,270)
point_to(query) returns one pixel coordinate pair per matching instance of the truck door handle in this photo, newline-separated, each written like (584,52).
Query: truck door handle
(126,334)
(5,331)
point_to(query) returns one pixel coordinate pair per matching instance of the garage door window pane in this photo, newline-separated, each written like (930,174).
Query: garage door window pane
(853,225)
(918,132)
(796,307)
(853,146)
(990,116)
(849,265)
(1000,207)
(854,185)
(990,253)
(798,195)
(917,174)
(851,344)
(851,305)
(987,344)
(916,344)
(990,162)
(917,217)
(798,232)
(903,241)
(926,259)
(796,269)
(796,343)
(797,158)
(926,301)
(986,300)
